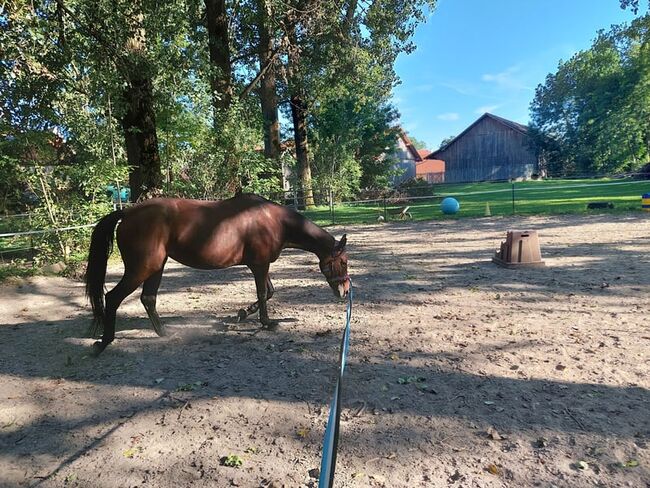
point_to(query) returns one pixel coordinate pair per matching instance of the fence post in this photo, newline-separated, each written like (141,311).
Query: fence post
(513,198)
(385,211)
(331,199)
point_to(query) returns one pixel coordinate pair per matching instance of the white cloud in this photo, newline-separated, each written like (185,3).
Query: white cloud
(460,87)
(448,116)
(508,79)
(423,88)
(486,108)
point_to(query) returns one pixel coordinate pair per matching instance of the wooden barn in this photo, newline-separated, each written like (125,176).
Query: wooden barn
(492,148)
(407,160)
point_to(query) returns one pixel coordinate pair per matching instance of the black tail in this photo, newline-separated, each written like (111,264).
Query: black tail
(101,246)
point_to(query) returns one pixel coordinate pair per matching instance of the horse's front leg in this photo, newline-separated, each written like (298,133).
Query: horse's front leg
(254,307)
(261,274)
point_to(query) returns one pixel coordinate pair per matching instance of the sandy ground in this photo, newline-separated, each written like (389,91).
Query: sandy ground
(460,373)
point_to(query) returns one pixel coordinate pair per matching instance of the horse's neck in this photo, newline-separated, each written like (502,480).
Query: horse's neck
(307,236)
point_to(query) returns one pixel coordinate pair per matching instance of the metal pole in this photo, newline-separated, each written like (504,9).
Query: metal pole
(513,198)
(385,211)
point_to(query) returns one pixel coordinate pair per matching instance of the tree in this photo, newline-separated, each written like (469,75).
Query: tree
(331,50)
(418,144)
(633,5)
(591,115)
(446,141)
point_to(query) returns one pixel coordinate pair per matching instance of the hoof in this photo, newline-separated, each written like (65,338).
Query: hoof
(241,315)
(270,324)
(97,348)
(160,329)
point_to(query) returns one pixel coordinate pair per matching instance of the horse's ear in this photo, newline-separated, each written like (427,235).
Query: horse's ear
(340,246)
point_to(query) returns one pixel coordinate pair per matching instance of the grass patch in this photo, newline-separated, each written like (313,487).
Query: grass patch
(545,197)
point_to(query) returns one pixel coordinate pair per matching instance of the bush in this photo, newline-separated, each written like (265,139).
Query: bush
(415,187)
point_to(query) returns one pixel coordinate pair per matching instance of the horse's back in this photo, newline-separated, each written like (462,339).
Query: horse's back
(245,229)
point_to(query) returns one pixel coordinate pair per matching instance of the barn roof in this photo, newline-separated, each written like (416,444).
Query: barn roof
(409,145)
(523,129)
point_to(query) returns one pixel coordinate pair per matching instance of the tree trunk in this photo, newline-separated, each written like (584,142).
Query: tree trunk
(268,95)
(145,178)
(299,116)
(139,121)
(219,47)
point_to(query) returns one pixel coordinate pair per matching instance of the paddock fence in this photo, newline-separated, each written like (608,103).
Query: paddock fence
(20,240)
(479,200)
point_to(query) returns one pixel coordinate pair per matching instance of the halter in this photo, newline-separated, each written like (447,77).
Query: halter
(338,279)
(333,279)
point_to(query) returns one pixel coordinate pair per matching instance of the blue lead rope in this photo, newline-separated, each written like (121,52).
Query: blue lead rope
(331,440)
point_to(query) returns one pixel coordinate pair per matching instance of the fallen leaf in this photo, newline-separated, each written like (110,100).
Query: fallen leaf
(582,465)
(70,478)
(232,461)
(632,463)
(494,469)
(129,453)
(303,432)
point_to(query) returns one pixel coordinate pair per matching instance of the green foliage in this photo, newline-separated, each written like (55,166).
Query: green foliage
(593,114)
(446,141)
(67,78)
(633,5)
(418,144)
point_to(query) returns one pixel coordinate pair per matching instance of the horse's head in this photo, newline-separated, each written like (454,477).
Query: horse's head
(335,269)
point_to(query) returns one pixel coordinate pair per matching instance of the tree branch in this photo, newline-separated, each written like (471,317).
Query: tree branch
(261,74)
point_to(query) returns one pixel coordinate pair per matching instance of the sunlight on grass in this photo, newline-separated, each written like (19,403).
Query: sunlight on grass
(531,198)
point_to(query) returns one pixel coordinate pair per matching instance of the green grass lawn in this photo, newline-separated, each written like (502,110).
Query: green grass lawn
(531,198)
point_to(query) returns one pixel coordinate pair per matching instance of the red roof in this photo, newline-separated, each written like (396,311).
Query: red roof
(430,166)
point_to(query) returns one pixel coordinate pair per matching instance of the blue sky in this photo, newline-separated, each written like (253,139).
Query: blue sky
(476,56)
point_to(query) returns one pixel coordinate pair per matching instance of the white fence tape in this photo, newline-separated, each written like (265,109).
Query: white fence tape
(45,231)
(442,195)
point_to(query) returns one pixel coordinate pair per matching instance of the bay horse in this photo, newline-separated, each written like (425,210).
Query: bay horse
(244,230)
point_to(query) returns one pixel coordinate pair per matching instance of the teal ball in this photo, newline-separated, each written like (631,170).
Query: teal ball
(449,206)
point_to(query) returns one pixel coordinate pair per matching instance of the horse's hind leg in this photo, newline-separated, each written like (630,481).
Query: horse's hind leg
(114,298)
(148,299)
(261,274)
(254,307)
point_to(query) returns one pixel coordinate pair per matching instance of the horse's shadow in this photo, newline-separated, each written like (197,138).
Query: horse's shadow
(227,323)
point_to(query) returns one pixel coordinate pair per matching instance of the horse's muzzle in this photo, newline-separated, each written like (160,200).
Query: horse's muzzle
(341,288)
